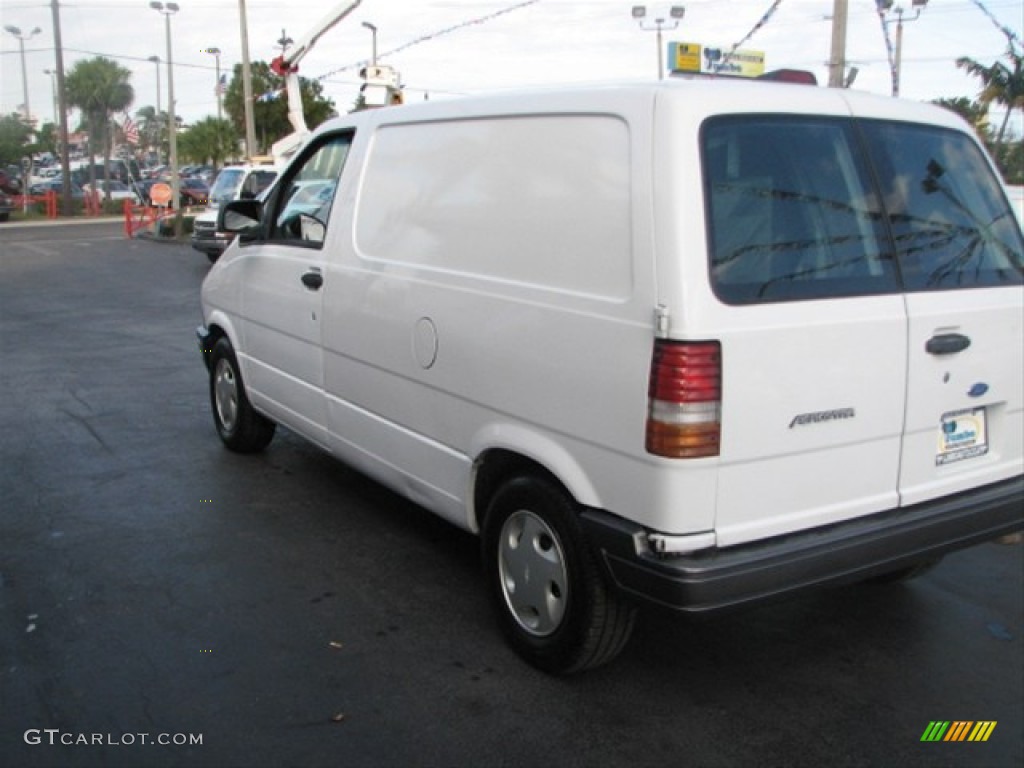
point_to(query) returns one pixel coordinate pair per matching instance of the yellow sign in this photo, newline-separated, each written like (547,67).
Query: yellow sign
(684,57)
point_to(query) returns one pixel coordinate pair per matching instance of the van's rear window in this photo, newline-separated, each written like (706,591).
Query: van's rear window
(950,222)
(807,208)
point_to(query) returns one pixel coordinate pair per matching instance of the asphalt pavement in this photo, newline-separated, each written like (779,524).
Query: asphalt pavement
(165,602)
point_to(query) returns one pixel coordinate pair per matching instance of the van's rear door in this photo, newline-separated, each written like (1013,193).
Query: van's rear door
(812,324)
(959,249)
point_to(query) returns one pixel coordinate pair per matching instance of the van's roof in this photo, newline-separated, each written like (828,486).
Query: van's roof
(701,97)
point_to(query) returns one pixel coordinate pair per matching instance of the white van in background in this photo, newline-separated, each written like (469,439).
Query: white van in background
(234,182)
(691,343)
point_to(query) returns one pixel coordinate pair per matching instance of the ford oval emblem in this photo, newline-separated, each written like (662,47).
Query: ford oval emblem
(978,389)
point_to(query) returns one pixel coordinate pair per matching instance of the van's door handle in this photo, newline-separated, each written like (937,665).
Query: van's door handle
(947,344)
(312,280)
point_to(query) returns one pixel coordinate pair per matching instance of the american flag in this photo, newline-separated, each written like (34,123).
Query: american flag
(222,86)
(131,131)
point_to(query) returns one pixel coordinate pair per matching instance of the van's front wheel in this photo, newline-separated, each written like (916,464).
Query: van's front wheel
(240,427)
(552,600)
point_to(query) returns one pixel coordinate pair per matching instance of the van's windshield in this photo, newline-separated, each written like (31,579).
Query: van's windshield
(225,188)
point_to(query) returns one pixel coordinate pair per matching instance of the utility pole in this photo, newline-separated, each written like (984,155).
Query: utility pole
(65,155)
(250,125)
(837,61)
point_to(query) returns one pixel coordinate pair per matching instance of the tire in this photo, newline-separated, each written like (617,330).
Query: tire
(239,426)
(568,620)
(212,256)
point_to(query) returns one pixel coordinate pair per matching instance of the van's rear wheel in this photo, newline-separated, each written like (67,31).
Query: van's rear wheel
(240,427)
(552,600)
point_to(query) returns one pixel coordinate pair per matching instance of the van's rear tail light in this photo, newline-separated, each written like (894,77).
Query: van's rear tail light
(685,399)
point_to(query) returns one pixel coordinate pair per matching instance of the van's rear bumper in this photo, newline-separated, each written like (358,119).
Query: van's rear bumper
(851,551)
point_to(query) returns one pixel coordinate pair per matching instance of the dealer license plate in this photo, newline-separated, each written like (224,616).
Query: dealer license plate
(962,435)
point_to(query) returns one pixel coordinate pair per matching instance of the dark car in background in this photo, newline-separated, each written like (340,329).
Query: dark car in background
(6,206)
(56,185)
(193,191)
(9,183)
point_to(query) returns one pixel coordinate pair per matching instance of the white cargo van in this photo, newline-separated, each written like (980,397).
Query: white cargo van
(695,344)
(234,182)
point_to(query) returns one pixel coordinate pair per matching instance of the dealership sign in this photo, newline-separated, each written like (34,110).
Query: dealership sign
(694,57)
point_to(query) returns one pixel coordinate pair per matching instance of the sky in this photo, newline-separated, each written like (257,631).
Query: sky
(452,48)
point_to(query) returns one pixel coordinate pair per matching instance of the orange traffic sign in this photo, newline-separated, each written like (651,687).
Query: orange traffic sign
(160,193)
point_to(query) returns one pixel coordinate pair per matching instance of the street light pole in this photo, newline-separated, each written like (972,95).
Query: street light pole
(24,75)
(53,92)
(884,6)
(156,65)
(215,52)
(676,13)
(167,10)
(373,31)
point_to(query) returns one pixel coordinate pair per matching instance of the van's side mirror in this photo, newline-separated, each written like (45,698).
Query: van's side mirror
(241,217)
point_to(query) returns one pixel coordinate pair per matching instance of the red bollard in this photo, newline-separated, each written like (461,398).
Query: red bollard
(126,208)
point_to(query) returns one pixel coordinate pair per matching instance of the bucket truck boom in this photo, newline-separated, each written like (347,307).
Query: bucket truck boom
(287,66)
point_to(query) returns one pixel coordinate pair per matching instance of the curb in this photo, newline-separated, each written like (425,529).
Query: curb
(65,222)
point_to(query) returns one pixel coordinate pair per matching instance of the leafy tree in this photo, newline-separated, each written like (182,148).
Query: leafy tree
(100,88)
(973,112)
(15,135)
(152,130)
(271,115)
(1011,160)
(210,140)
(1001,83)
(47,139)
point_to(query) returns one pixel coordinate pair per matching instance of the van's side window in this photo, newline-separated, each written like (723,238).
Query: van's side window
(951,225)
(302,206)
(791,211)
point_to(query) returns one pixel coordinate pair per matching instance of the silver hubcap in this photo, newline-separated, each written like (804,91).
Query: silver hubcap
(225,394)
(533,575)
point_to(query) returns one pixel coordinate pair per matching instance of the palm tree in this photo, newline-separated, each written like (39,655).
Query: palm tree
(211,140)
(1001,84)
(151,128)
(100,88)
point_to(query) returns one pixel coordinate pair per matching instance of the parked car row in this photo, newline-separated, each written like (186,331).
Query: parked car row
(125,181)
(57,186)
